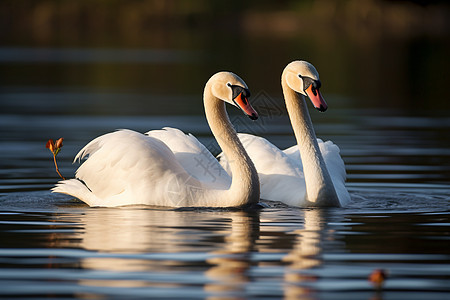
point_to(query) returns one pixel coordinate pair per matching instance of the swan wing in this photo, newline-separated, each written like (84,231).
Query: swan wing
(124,167)
(195,158)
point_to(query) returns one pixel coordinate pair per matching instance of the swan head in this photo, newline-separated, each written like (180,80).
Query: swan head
(230,88)
(303,78)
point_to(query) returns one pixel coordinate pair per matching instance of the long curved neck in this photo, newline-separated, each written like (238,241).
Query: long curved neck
(320,190)
(244,187)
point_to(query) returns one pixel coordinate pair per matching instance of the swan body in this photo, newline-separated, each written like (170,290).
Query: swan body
(167,167)
(311,173)
(193,156)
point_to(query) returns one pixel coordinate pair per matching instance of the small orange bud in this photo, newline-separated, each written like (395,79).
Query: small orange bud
(50,145)
(59,143)
(54,147)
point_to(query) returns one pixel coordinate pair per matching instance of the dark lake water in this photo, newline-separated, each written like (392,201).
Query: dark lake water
(52,246)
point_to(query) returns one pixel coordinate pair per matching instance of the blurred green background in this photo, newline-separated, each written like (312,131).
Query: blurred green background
(369,53)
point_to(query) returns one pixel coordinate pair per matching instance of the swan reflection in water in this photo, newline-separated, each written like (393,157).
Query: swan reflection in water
(163,248)
(148,242)
(126,238)
(230,266)
(305,254)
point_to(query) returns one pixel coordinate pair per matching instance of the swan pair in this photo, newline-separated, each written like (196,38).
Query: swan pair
(169,168)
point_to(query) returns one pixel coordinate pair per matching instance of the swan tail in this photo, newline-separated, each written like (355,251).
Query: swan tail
(77,189)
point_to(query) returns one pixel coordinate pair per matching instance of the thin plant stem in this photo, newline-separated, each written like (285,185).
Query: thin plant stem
(57,169)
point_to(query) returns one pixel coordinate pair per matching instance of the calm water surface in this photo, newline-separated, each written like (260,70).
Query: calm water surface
(53,246)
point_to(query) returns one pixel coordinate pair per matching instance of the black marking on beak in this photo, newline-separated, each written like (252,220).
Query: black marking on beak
(253,117)
(237,89)
(307,81)
(321,108)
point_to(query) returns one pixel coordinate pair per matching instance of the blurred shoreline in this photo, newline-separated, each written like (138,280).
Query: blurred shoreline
(146,23)
(379,53)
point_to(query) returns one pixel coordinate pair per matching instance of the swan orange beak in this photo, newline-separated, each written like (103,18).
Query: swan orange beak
(316,98)
(242,102)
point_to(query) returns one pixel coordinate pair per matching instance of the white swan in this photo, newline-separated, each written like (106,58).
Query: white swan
(315,176)
(166,167)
